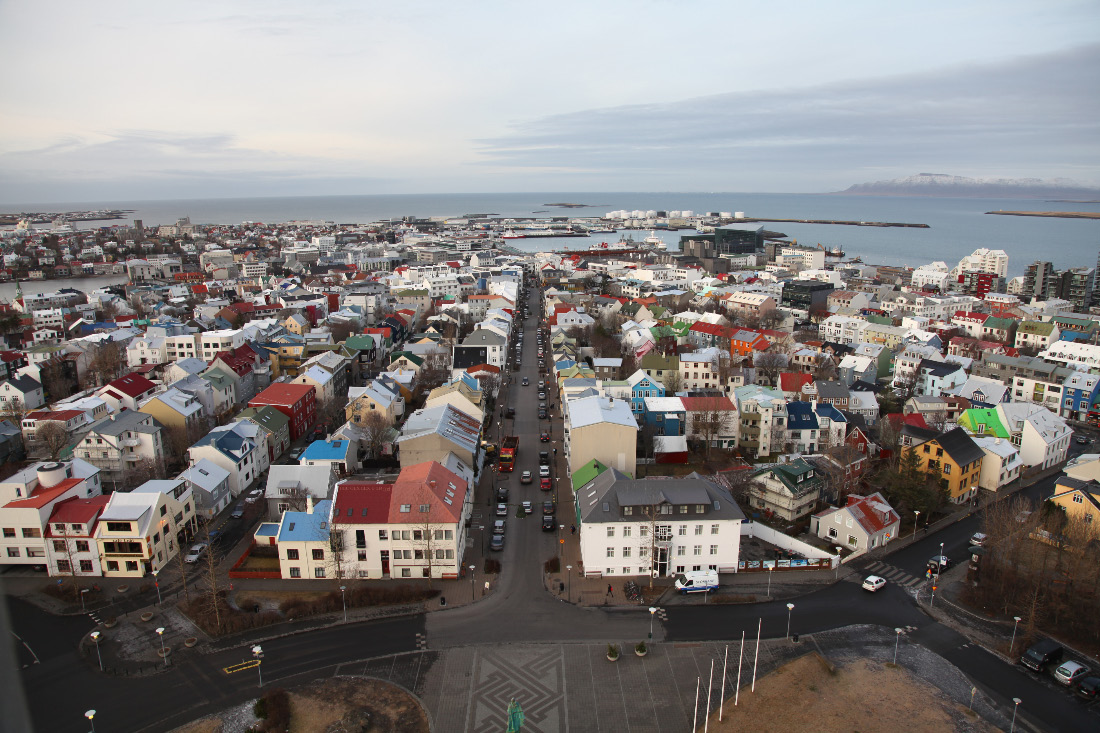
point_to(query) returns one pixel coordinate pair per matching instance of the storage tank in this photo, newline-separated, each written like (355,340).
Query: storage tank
(687,213)
(726,215)
(739,215)
(51,474)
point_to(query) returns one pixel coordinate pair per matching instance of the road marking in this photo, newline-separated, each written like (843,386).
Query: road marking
(28,646)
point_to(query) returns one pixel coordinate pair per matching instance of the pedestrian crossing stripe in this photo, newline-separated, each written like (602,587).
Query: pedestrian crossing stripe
(897,575)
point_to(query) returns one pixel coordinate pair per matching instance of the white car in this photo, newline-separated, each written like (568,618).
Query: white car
(196,552)
(873,583)
(1070,673)
(544,472)
(978,539)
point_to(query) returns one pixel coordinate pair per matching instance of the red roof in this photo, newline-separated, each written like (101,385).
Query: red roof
(873,512)
(58,415)
(283,394)
(361,502)
(712,329)
(43,495)
(133,385)
(794,382)
(971,316)
(706,404)
(427,483)
(8,356)
(487,368)
(77,510)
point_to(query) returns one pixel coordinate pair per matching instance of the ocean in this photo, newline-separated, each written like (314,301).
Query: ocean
(958,226)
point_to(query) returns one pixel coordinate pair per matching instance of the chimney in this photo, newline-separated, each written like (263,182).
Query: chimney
(309,503)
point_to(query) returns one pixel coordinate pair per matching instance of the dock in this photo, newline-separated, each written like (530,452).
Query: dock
(840,222)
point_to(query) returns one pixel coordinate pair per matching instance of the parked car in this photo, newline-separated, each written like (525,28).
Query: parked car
(978,539)
(542,395)
(548,523)
(1087,688)
(525,477)
(544,472)
(511,410)
(525,381)
(542,414)
(296,453)
(545,437)
(938,564)
(1070,673)
(548,507)
(544,458)
(873,583)
(542,384)
(502,510)
(498,526)
(496,543)
(1042,654)
(196,552)
(1082,440)
(502,493)
(528,508)
(238,512)
(544,483)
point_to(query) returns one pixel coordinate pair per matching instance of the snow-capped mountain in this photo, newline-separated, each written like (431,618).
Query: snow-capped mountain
(941,184)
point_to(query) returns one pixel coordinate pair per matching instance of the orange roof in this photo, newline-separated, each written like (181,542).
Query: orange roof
(43,495)
(427,483)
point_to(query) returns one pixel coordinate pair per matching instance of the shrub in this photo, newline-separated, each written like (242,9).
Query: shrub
(613,651)
(491,566)
(259,708)
(553,565)
(640,647)
(277,707)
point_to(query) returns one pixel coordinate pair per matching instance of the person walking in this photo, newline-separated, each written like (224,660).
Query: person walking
(610,590)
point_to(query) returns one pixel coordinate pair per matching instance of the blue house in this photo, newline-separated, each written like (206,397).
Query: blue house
(1079,393)
(667,414)
(642,386)
(802,427)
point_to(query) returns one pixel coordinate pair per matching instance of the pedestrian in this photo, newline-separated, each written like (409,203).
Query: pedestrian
(928,574)
(610,590)
(572,529)
(555,452)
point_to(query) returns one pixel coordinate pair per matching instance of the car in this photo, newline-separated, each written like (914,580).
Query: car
(525,477)
(498,526)
(544,458)
(502,510)
(296,453)
(496,543)
(873,583)
(1087,688)
(237,512)
(542,384)
(511,412)
(549,523)
(938,564)
(196,552)
(502,493)
(544,472)
(978,539)
(1082,440)
(1070,673)
(544,483)
(1042,654)
(542,395)
(255,493)
(526,381)
(548,508)
(542,414)
(528,507)
(545,437)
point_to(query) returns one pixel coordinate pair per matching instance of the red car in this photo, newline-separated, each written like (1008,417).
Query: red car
(544,484)
(545,438)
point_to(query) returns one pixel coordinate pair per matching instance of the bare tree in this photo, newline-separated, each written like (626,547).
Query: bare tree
(212,577)
(141,471)
(673,382)
(55,382)
(768,366)
(52,437)
(107,363)
(14,409)
(375,428)
(427,536)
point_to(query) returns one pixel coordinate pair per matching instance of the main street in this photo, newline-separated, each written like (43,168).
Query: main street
(62,684)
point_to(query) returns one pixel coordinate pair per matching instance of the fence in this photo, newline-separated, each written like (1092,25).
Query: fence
(777,538)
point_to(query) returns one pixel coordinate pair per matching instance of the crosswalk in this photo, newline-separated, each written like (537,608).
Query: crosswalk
(893,574)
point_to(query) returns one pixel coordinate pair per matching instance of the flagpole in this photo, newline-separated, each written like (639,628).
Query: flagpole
(722,700)
(695,718)
(737,692)
(757,655)
(710,689)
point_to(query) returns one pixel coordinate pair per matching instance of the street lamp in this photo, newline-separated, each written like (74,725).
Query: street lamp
(1015,706)
(916,519)
(897,639)
(939,563)
(472,569)
(1016,622)
(95,637)
(652,613)
(156,582)
(561,543)
(770,569)
(89,715)
(838,549)
(163,653)
(569,572)
(790,607)
(343,600)
(258,654)
(82,592)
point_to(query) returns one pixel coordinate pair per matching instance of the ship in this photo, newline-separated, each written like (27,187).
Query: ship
(834,252)
(654,241)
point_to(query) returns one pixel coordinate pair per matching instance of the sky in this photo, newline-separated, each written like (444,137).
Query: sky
(112,100)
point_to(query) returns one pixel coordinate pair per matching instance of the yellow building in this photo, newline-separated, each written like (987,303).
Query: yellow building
(954,459)
(1079,500)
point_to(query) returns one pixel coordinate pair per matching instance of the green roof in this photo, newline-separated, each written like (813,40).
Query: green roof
(360,341)
(999,323)
(880,320)
(1036,327)
(661,331)
(266,417)
(412,293)
(407,354)
(586,473)
(985,417)
(660,362)
(217,376)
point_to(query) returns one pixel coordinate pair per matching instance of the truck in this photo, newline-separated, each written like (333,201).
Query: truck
(697,581)
(508,450)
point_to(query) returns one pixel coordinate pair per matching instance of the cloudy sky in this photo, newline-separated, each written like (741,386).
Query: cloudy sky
(137,100)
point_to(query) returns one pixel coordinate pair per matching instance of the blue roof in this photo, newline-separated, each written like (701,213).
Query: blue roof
(268,529)
(1073,336)
(830,411)
(303,527)
(800,416)
(325,450)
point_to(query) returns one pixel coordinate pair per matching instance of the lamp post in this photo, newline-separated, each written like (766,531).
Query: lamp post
(770,569)
(897,640)
(258,655)
(156,582)
(569,572)
(95,637)
(163,653)
(939,564)
(472,569)
(561,544)
(90,715)
(652,613)
(343,600)
(838,549)
(83,608)
(1015,706)
(916,518)
(790,607)
(1016,622)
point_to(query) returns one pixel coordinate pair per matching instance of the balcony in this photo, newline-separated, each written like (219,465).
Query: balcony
(131,457)
(130,442)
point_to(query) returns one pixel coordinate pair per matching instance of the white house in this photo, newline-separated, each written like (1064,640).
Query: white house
(864,523)
(239,447)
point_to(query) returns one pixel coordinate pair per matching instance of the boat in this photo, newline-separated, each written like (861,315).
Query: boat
(602,230)
(835,252)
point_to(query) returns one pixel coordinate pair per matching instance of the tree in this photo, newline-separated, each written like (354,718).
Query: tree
(427,538)
(673,382)
(768,366)
(107,363)
(52,437)
(712,420)
(647,440)
(14,409)
(55,381)
(141,471)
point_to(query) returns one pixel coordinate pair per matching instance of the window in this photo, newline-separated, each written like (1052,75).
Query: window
(418,535)
(681,550)
(118,526)
(682,509)
(626,531)
(700,508)
(295,572)
(611,552)
(852,540)
(666,509)
(59,545)
(425,508)
(714,529)
(59,528)
(382,534)
(697,550)
(698,529)
(63,566)
(832,531)
(31,532)
(681,530)
(1077,499)
(406,573)
(291,554)
(627,511)
(9,532)
(626,552)
(448,534)
(318,572)
(610,531)
(643,531)
(947,468)
(714,549)
(85,566)
(318,554)
(406,508)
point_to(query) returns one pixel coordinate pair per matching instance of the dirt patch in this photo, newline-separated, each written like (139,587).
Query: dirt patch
(863,696)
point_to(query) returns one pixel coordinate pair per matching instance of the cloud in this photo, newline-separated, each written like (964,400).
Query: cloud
(1037,115)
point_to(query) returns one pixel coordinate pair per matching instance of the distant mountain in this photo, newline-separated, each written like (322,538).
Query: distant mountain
(941,184)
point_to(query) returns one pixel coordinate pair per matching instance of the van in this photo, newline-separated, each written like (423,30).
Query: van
(1042,654)
(697,581)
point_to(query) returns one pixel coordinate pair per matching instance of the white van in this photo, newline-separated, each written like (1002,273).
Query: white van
(697,581)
